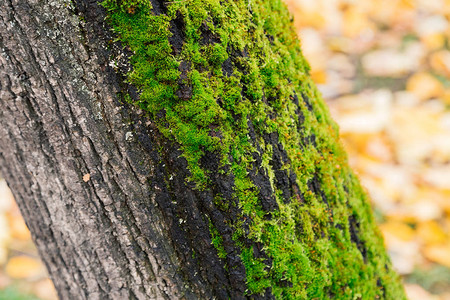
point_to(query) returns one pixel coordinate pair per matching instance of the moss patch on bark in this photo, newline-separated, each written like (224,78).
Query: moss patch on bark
(220,77)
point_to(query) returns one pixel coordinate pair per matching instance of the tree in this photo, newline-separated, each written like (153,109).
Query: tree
(179,150)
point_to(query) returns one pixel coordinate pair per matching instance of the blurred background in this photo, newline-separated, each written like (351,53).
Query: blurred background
(383,66)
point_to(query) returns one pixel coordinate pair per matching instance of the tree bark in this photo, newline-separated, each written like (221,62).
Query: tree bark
(118,203)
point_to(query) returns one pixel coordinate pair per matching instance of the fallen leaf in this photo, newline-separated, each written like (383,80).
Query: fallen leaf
(433,41)
(319,76)
(393,62)
(431,232)
(398,230)
(356,23)
(446,97)
(440,62)
(366,113)
(438,176)
(439,254)
(19,229)
(425,86)
(86,177)
(431,24)
(20,267)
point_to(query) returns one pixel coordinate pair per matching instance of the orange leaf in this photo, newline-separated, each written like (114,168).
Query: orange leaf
(431,233)
(439,254)
(19,229)
(20,267)
(86,177)
(398,230)
(424,86)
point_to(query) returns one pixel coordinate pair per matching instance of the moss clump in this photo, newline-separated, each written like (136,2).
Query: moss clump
(217,240)
(239,72)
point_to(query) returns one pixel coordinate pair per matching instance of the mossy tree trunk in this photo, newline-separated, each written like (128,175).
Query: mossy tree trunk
(179,150)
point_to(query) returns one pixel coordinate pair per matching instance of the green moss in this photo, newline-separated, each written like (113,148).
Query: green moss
(257,272)
(307,240)
(217,240)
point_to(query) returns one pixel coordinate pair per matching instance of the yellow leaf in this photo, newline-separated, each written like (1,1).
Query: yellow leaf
(433,41)
(431,232)
(439,254)
(319,76)
(313,19)
(434,194)
(20,267)
(440,62)
(398,230)
(339,44)
(407,4)
(379,148)
(446,97)
(424,86)
(447,223)
(446,8)
(19,229)
(356,22)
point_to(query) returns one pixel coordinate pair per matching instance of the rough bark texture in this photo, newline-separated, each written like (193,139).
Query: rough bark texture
(60,120)
(109,195)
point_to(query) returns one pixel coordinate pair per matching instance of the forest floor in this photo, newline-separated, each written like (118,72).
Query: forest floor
(383,66)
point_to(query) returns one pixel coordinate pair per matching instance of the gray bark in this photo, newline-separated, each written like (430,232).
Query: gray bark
(101,235)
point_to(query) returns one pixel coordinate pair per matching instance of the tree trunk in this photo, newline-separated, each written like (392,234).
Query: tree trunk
(179,150)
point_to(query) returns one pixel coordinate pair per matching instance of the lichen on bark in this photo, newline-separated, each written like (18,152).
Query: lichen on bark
(226,81)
